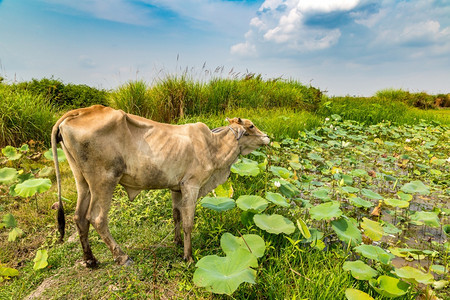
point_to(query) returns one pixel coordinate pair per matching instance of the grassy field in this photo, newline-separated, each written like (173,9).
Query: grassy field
(352,156)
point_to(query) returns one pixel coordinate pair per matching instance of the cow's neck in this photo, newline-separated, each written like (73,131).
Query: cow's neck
(227,149)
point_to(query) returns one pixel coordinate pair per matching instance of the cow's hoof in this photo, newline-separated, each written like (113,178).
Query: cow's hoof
(124,260)
(128,263)
(188,259)
(91,263)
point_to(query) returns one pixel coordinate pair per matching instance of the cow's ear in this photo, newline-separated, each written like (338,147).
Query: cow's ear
(239,120)
(227,119)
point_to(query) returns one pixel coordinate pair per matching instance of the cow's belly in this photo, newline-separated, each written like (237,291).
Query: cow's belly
(150,177)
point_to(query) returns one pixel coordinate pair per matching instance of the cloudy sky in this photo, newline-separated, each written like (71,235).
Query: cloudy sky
(346,47)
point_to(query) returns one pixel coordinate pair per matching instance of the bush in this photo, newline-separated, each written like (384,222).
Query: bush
(24,116)
(420,100)
(134,98)
(62,96)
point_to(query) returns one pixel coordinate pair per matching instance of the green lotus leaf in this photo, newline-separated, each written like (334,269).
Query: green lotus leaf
(358,173)
(14,233)
(46,171)
(396,203)
(446,229)
(224,190)
(416,187)
(389,228)
(428,218)
(32,186)
(223,275)
(11,153)
(322,194)
(354,294)
(277,199)
(280,172)
(61,155)
(359,202)
(274,223)
(326,211)
(303,228)
(9,221)
(347,231)
(359,270)
(218,203)
(315,156)
(372,229)
(375,253)
(389,286)
(412,274)
(438,269)
(230,243)
(350,189)
(7,272)
(288,189)
(404,197)
(371,194)
(40,261)
(8,175)
(246,168)
(252,203)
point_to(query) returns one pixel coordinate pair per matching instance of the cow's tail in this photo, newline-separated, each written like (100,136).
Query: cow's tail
(61,217)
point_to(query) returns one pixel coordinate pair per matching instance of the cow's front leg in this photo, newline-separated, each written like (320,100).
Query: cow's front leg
(176,204)
(189,199)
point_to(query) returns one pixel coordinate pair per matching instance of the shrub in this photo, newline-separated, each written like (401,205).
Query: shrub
(24,116)
(420,100)
(62,96)
(134,98)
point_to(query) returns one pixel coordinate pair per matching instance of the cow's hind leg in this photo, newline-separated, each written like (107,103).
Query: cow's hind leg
(84,198)
(80,217)
(176,204)
(98,216)
(187,209)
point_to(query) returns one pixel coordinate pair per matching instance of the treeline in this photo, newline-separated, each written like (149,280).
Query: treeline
(29,109)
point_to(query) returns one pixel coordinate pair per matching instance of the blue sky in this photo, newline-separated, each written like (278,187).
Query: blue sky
(346,47)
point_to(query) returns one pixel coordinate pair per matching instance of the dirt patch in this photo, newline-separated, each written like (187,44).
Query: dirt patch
(46,284)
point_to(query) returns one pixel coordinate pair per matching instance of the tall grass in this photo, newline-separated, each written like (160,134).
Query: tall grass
(24,116)
(377,109)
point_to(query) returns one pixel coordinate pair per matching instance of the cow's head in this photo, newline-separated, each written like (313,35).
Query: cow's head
(248,136)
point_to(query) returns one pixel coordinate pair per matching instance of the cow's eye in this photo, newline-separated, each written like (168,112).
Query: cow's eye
(251,126)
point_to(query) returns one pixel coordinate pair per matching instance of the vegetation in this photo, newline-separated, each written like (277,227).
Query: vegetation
(350,199)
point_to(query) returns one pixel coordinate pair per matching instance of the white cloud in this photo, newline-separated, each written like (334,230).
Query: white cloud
(244,49)
(284,22)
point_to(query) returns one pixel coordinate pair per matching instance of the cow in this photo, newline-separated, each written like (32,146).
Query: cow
(106,147)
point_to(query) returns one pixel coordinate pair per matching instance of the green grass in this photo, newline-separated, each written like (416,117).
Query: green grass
(23,117)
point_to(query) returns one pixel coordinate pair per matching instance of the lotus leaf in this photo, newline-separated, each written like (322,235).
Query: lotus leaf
(389,286)
(438,269)
(315,156)
(230,243)
(40,261)
(347,231)
(280,172)
(277,199)
(223,275)
(8,175)
(32,186)
(11,153)
(412,274)
(7,272)
(371,194)
(252,203)
(372,229)
(354,294)
(9,221)
(360,270)
(414,187)
(326,211)
(218,203)
(375,253)
(359,202)
(396,203)
(274,223)
(14,233)
(322,194)
(404,197)
(359,173)
(61,155)
(350,189)
(426,217)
